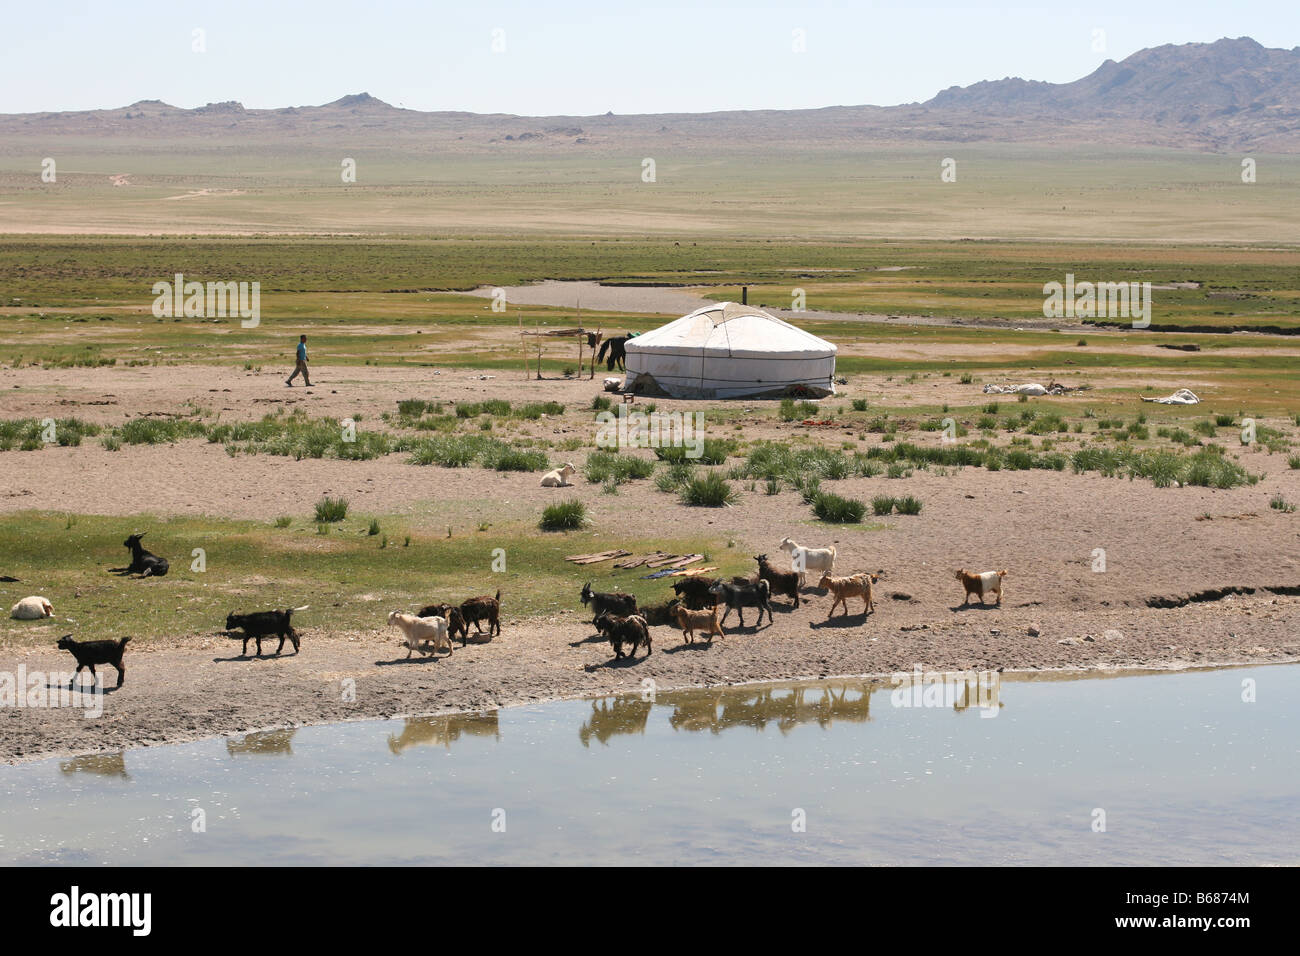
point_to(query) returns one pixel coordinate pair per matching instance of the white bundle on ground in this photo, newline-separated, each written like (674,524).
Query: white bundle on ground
(1031,388)
(1184,396)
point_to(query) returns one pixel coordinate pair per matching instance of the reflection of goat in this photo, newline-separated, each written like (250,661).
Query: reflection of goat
(420,731)
(617,347)
(611,716)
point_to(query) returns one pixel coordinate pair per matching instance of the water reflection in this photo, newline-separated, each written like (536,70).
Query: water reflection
(717,708)
(263,742)
(441,731)
(611,716)
(102,765)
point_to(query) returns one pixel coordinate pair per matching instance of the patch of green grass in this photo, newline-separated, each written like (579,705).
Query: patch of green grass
(564,516)
(608,467)
(883,504)
(331,510)
(838,510)
(709,490)
(1278,503)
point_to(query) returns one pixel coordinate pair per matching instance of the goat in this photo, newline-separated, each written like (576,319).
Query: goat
(631,629)
(780,582)
(144,563)
(482,608)
(559,478)
(804,559)
(32,609)
(661,613)
(90,653)
(855,585)
(694,591)
(423,634)
(981,584)
(455,620)
(741,596)
(706,621)
(603,602)
(262,624)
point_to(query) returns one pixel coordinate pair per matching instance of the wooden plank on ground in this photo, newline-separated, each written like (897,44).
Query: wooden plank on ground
(637,562)
(597,557)
(675,561)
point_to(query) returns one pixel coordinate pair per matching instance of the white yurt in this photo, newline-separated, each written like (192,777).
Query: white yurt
(729,351)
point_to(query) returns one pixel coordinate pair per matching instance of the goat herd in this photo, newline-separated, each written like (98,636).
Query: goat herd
(693,609)
(698,599)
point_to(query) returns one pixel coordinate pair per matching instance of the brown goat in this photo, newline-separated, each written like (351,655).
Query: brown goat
(855,585)
(482,608)
(981,584)
(688,621)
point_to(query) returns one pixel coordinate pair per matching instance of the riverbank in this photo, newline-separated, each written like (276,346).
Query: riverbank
(200,686)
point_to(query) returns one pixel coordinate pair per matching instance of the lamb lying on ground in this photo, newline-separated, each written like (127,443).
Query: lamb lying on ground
(559,478)
(32,609)
(423,634)
(986,582)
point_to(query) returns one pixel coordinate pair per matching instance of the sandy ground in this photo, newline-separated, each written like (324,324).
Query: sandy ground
(1043,527)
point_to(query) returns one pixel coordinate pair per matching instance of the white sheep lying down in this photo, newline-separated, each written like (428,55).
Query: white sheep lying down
(809,560)
(32,609)
(559,478)
(423,634)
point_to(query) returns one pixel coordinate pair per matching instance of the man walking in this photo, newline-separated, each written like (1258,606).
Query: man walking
(301,367)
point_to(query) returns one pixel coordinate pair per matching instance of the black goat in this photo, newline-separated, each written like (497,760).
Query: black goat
(481,608)
(144,563)
(659,614)
(607,602)
(694,592)
(90,653)
(780,582)
(455,620)
(262,624)
(624,630)
(741,596)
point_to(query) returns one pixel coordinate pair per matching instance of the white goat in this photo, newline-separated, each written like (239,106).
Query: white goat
(423,634)
(32,609)
(559,478)
(803,560)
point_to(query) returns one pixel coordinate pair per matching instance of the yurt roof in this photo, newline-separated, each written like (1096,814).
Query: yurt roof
(728,328)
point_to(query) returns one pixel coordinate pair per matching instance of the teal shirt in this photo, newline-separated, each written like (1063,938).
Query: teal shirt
(302,351)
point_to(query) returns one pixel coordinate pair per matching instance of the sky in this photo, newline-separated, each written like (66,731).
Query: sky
(580,57)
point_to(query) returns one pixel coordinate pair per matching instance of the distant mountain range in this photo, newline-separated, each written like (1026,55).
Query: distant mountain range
(1231,95)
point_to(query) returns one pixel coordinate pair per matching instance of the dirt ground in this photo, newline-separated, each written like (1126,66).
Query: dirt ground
(1173,546)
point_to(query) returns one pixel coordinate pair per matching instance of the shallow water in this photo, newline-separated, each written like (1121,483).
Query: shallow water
(1184,769)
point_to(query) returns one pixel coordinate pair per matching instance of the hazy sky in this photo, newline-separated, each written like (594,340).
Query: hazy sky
(579,56)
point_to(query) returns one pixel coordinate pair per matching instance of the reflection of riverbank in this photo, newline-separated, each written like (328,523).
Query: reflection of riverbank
(263,742)
(102,765)
(441,731)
